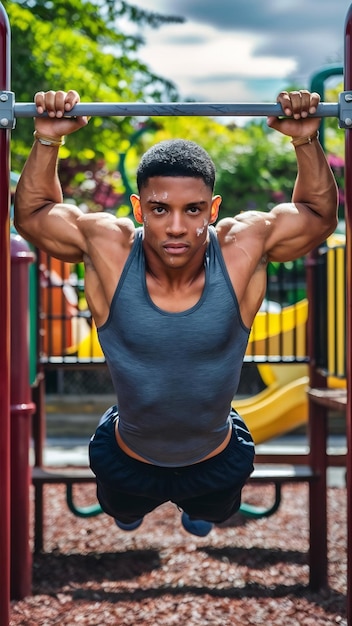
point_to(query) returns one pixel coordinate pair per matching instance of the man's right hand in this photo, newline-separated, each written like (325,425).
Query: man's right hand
(56,104)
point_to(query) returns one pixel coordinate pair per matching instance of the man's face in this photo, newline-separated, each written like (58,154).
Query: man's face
(176,213)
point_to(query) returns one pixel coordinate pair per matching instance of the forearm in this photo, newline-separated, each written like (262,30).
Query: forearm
(40,216)
(315,185)
(39,185)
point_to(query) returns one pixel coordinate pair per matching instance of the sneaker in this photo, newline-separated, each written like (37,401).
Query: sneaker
(198,527)
(131,526)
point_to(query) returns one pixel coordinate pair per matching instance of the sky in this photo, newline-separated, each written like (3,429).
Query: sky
(243,50)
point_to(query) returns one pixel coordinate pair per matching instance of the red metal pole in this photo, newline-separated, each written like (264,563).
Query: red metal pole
(4,332)
(348,216)
(21,411)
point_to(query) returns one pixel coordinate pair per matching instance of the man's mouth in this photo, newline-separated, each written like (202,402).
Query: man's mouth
(175,248)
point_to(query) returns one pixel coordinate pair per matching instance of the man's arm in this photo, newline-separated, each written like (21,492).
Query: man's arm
(39,213)
(297,227)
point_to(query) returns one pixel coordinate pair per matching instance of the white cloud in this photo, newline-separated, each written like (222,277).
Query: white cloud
(243,49)
(216,69)
(224,54)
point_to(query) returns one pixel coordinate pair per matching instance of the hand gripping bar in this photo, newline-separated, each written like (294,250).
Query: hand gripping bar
(11,110)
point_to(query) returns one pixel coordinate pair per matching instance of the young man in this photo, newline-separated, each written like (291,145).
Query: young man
(173,302)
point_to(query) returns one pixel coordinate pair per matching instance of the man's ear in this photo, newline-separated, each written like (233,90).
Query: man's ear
(215,206)
(136,206)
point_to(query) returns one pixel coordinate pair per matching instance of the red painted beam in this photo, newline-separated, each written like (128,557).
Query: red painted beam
(4,332)
(348,217)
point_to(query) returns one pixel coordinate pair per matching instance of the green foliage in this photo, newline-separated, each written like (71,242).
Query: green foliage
(257,171)
(59,44)
(256,167)
(80,45)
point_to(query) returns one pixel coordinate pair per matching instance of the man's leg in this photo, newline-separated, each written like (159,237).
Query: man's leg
(114,471)
(124,506)
(219,481)
(128,510)
(213,507)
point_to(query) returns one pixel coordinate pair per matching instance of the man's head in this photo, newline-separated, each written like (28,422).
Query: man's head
(177,158)
(176,203)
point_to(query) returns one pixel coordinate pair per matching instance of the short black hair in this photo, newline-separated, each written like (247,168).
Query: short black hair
(176,157)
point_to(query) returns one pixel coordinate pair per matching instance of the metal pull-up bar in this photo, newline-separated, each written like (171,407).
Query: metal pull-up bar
(10,110)
(211,109)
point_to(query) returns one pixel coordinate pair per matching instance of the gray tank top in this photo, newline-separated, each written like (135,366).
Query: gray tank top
(175,374)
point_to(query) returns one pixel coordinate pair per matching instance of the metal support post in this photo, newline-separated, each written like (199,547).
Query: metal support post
(348,217)
(4,334)
(21,410)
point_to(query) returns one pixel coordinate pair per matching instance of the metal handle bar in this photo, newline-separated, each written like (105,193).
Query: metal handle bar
(10,110)
(211,109)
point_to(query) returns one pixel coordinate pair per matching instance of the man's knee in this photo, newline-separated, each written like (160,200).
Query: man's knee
(124,506)
(213,508)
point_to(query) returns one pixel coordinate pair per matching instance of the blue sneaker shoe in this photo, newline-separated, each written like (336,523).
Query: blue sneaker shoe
(198,527)
(131,526)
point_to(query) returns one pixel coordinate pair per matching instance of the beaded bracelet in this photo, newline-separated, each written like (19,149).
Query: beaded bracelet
(49,141)
(300,141)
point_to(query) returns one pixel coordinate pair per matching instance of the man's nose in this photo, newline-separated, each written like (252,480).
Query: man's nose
(176,225)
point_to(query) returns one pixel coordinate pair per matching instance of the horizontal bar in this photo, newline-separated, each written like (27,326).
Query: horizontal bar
(211,109)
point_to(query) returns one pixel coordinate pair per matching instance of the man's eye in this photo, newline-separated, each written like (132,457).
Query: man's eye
(159,210)
(194,210)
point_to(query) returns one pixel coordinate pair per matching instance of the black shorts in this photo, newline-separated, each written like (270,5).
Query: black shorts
(128,489)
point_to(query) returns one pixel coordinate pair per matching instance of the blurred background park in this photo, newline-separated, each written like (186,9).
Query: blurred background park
(175,51)
(99,49)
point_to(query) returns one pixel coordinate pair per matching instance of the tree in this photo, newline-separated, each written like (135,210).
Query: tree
(256,167)
(80,44)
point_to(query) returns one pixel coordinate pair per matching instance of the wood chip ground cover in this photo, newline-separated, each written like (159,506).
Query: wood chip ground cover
(245,572)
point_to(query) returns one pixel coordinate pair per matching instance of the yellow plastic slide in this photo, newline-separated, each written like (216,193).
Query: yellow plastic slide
(283,404)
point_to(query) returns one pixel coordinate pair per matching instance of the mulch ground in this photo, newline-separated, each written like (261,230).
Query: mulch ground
(244,572)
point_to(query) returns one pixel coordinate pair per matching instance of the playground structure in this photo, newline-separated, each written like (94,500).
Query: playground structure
(323,366)
(281,407)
